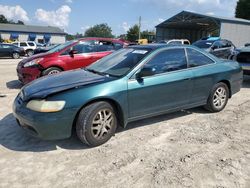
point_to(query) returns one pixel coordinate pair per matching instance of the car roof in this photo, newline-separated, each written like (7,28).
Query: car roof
(155,46)
(100,38)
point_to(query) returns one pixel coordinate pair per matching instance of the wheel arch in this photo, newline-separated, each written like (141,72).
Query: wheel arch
(56,66)
(228,85)
(117,107)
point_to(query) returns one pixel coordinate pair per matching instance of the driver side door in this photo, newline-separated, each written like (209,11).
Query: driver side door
(169,88)
(84,55)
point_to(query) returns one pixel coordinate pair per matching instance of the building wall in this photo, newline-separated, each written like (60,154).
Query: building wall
(190,34)
(239,34)
(55,39)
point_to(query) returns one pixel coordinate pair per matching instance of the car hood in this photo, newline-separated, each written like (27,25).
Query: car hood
(51,84)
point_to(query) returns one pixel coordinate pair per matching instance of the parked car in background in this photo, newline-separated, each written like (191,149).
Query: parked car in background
(9,50)
(219,47)
(247,44)
(175,41)
(243,58)
(70,55)
(28,46)
(132,83)
(44,49)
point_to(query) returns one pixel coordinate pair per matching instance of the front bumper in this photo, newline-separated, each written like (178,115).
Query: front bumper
(48,126)
(28,74)
(245,68)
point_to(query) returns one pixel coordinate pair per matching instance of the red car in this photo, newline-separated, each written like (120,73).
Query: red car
(70,55)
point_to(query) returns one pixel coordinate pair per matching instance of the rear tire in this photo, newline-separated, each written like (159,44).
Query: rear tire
(96,124)
(218,98)
(51,70)
(15,55)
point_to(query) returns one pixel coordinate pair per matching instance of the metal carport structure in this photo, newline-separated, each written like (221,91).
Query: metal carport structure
(194,26)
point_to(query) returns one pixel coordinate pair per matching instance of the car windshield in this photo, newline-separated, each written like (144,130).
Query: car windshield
(61,46)
(120,62)
(203,43)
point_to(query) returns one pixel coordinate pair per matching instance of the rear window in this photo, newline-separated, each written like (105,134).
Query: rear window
(31,43)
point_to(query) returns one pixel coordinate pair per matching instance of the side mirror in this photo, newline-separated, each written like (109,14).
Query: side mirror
(146,71)
(72,52)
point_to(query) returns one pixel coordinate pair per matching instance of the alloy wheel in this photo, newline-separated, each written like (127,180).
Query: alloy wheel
(220,97)
(53,72)
(102,123)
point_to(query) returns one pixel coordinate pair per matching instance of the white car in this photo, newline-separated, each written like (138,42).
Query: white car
(176,41)
(28,46)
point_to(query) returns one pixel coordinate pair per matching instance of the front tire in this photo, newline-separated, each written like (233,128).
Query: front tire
(15,55)
(96,124)
(51,70)
(218,97)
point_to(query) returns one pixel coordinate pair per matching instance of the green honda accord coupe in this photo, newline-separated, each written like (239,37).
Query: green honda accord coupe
(130,84)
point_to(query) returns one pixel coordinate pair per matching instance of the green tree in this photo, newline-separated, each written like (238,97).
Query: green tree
(99,30)
(243,9)
(3,19)
(133,33)
(20,22)
(70,37)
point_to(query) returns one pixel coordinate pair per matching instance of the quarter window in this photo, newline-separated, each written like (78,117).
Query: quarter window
(168,60)
(196,58)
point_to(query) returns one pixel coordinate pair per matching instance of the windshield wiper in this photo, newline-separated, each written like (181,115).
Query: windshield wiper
(100,73)
(96,72)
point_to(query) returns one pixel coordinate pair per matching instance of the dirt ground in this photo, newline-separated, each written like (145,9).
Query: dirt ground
(191,148)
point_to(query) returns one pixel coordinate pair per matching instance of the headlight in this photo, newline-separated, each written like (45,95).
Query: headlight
(45,106)
(33,62)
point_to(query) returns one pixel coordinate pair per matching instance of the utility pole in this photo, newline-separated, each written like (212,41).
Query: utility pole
(139,27)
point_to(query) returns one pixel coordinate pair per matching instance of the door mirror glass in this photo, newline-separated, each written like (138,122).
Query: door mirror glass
(146,71)
(72,52)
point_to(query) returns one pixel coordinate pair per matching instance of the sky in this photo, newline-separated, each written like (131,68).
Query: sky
(78,15)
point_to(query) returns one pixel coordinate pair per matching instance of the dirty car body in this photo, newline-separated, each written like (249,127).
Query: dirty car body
(132,95)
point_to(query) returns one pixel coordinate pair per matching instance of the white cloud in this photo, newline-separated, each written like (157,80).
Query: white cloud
(14,12)
(218,7)
(68,1)
(84,28)
(59,17)
(125,26)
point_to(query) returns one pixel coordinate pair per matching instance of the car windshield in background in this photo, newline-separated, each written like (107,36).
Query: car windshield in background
(62,46)
(203,44)
(120,62)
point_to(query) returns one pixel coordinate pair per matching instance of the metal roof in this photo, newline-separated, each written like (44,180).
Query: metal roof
(31,29)
(186,17)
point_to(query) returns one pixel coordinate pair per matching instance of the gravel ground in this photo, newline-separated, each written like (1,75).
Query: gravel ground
(191,148)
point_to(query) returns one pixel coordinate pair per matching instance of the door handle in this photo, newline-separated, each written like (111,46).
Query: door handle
(187,79)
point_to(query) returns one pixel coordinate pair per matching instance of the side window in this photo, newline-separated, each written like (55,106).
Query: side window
(186,42)
(105,46)
(23,44)
(6,46)
(118,46)
(83,47)
(196,58)
(168,60)
(16,44)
